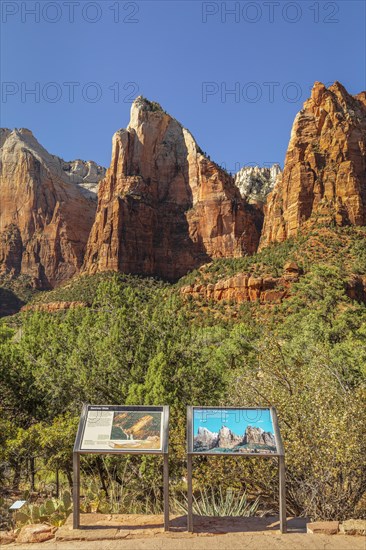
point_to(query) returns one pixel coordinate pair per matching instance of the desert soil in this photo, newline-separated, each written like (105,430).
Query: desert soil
(135,532)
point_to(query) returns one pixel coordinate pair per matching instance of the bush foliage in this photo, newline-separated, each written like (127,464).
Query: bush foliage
(139,343)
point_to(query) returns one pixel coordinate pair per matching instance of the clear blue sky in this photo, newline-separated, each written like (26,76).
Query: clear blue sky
(170,49)
(236,420)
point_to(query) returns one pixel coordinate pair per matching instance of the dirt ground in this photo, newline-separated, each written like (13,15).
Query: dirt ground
(133,532)
(217,542)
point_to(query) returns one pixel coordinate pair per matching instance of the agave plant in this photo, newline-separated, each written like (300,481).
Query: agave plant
(218,503)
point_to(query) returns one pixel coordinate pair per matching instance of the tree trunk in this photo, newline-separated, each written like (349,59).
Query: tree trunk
(101,475)
(32,468)
(16,477)
(57,483)
(69,479)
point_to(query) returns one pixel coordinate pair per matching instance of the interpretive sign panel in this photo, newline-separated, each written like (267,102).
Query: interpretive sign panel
(233,431)
(246,432)
(120,429)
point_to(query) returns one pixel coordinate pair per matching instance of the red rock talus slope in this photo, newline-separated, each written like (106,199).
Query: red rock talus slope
(163,207)
(45,218)
(325,167)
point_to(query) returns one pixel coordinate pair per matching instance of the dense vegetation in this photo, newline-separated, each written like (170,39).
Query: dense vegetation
(138,342)
(343,247)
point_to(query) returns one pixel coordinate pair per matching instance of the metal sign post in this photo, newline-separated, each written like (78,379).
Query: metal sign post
(267,444)
(99,432)
(281,472)
(76,489)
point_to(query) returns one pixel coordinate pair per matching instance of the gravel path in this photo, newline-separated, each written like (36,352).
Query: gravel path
(234,541)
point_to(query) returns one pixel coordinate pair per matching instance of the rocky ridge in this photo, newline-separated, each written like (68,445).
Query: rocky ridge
(164,208)
(245,287)
(255,183)
(225,438)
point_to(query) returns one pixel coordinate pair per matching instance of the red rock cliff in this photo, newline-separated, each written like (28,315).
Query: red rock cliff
(45,218)
(163,207)
(325,167)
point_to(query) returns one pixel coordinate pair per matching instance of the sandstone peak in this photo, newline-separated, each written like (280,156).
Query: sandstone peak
(23,132)
(141,109)
(317,91)
(164,208)
(324,177)
(144,104)
(84,174)
(339,89)
(45,218)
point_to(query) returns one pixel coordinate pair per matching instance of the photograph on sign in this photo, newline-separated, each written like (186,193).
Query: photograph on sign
(242,431)
(123,430)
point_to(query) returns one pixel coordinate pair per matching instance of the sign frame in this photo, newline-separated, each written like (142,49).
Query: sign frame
(280,455)
(78,450)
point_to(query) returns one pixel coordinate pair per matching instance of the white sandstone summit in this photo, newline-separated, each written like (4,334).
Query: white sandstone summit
(255,183)
(86,175)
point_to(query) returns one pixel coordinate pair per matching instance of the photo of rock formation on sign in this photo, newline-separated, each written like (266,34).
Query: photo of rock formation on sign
(238,432)
(136,430)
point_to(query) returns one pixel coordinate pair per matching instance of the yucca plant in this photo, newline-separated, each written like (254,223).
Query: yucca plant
(218,503)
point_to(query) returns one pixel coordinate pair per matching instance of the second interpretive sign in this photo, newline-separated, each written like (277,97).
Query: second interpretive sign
(233,431)
(240,431)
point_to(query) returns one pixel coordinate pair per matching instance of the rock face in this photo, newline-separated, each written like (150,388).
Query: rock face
(206,439)
(85,174)
(143,427)
(7,537)
(36,533)
(244,287)
(163,207)
(45,218)
(255,183)
(354,527)
(325,169)
(257,436)
(227,439)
